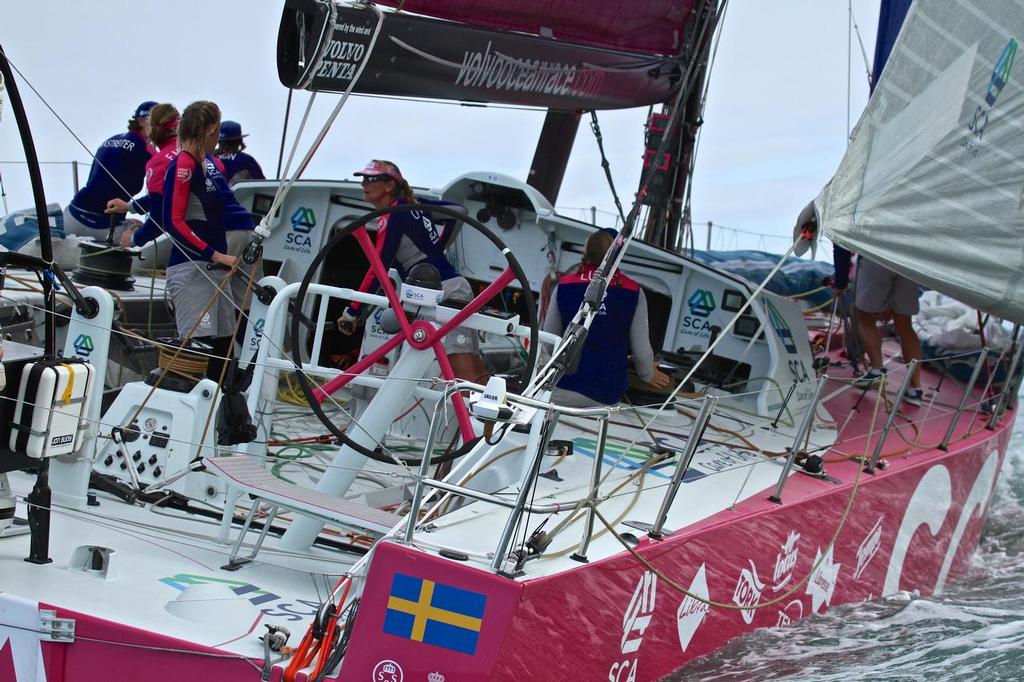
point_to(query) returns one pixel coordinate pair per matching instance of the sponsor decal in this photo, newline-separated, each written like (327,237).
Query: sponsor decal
(634,623)
(417,56)
(434,613)
(716,458)
(83,345)
(691,612)
(62,440)
(387,671)
(1000,77)
(785,561)
(788,613)
(822,583)
(303,221)
(868,548)
(257,332)
(701,302)
(781,328)
(272,605)
(184,174)
(748,592)
(929,506)
(21,653)
(616,455)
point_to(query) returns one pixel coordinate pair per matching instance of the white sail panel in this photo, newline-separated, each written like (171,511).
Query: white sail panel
(932,184)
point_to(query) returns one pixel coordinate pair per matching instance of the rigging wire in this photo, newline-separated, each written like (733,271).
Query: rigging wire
(604,163)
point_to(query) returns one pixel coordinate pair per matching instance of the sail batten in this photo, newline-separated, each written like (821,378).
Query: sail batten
(932,184)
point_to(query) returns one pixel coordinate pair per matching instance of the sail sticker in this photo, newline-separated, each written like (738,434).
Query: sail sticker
(434,613)
(701,302)
(1001,73)
(1000,77)
(781,328)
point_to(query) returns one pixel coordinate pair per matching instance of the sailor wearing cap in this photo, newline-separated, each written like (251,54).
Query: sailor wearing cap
(406,239)
(118,171)
(230,150)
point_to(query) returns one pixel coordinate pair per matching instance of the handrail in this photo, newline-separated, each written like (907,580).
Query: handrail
(873,464)
(802,432)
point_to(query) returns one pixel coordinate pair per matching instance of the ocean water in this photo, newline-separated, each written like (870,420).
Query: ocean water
(975,631)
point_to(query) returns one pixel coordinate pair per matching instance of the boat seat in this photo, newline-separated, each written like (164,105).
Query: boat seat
(247,475)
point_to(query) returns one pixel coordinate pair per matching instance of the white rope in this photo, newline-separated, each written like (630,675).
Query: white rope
(711,347)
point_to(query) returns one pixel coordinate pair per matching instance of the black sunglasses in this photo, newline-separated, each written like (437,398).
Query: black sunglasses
(368,179)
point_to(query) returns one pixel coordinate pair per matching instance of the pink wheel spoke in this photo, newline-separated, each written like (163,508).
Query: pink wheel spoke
(365,363)
(492,290)
(461,411)
(382,277)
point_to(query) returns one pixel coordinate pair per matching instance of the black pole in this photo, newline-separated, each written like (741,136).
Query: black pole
(39,499)
(284,132)
(552,154)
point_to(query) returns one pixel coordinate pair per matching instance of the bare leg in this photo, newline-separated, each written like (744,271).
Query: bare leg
(870,336)
(909,344)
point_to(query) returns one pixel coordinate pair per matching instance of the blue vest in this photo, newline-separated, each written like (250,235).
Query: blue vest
(120,162)
(601,374)
(237,162)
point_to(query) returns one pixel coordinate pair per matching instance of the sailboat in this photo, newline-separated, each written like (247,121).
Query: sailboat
(446,530)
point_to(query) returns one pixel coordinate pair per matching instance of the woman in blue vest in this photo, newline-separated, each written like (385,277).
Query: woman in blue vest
(619,328)
(117,172)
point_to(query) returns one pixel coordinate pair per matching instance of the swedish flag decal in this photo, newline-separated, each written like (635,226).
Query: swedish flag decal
(434,613)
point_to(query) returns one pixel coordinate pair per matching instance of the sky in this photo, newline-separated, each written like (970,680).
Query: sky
(775,120)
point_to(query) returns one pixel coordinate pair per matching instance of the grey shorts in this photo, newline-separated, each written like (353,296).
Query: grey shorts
(461,339)
(237,241)
(191,287)
(879,289)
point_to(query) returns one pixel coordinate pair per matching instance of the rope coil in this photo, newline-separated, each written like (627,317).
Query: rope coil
(188,361)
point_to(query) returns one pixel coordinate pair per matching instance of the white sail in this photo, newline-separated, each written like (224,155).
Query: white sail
(932,184)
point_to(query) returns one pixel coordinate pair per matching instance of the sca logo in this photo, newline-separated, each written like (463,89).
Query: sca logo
(303,221)
(83,345)
(701,303)
(257,332)
(1000,77)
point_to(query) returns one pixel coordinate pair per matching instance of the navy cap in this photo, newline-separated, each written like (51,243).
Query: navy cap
(142,111)
(231,130)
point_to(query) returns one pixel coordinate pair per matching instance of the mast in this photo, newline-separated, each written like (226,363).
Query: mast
(552,154)
(669,216)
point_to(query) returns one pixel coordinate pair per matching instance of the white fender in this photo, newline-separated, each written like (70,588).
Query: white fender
(974,506)
(928,505)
